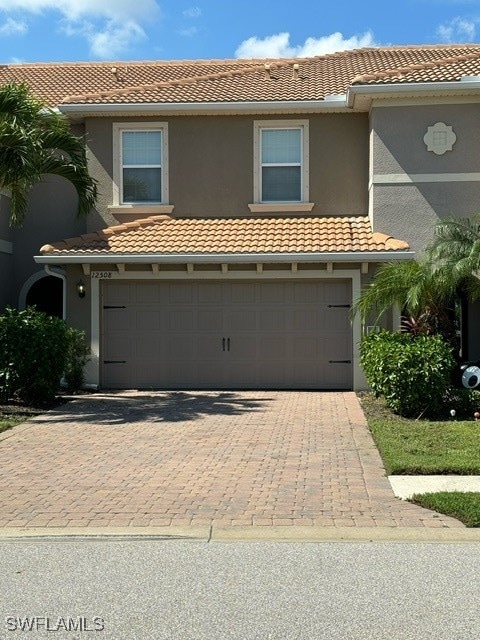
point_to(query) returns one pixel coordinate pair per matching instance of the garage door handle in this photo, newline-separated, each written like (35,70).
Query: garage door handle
(223,344)
(228,344)
(339,361)
(112,306)
(339,306)
(114,362)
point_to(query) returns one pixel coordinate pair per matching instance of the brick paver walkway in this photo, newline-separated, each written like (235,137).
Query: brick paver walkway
(196,458)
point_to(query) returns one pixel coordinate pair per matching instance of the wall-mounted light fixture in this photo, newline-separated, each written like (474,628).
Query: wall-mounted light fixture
(81,289)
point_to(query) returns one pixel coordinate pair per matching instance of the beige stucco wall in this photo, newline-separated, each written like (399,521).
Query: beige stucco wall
(410,211)
(52,217)
(78,309)
(211,164)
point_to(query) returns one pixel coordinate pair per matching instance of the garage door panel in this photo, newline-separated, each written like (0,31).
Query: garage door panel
(307,292)
(272,348)
(182,320)
(209,347)
(182,346)
(117,375)
(147,293)
(149,347)
(306,320)
(208,373)
(181,292)
(305,347)
(116,320)
(335,347)
(242,293)
(241,320)
(228,334)
(336,291)
(240,373)
(118,348)
(210,320)
(243,347)
(210,293)
(147,320)
(151,376)
(337,376)
(304,374)
(273,320)
(271,292)
(118,293)
(337,319)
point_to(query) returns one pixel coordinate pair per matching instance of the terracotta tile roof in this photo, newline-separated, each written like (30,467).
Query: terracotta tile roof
(166,235)
(241,80)
(448,69)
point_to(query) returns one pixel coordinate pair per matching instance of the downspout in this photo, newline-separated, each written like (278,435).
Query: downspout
(60,273)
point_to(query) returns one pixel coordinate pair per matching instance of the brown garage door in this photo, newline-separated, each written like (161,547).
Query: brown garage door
(276,335)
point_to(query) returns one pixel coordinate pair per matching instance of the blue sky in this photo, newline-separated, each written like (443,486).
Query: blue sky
(69,30)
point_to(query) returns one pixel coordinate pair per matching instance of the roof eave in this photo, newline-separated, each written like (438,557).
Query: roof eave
(333,103)
(368,92)
(218,258)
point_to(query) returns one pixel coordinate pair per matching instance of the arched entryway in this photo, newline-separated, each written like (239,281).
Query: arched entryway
(45,293)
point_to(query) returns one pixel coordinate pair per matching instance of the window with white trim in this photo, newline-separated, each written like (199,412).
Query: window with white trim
(281,162)
(140,164)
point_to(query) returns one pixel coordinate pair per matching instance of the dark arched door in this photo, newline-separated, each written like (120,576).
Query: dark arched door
(46,295)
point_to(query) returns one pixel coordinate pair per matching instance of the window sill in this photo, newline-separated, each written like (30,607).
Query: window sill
(281,207)
(151,209)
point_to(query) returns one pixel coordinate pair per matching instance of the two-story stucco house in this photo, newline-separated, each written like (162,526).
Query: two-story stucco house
(243,205)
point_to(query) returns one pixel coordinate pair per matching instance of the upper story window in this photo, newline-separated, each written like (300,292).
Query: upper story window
(140,163)
(281,162)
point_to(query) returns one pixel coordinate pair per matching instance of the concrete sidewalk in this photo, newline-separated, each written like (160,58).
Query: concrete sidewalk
(405,487)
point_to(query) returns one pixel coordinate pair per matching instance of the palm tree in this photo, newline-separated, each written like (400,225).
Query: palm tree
(427,299)
(35,141)
(429,290)
(455,250)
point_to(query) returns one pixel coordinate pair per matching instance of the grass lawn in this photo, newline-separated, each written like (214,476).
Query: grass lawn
(423,447)
(464,506)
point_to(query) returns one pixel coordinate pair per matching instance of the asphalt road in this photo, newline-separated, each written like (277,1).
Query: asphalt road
(185,590)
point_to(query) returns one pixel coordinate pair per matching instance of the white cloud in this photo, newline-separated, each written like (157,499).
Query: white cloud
(188,33)
(114,38)
(13,28)
(192,12)
(109,26)
(457,30)
(76,9)
(278,46)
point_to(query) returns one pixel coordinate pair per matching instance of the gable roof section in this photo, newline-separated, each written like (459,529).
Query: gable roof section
(204,236)
(211,81)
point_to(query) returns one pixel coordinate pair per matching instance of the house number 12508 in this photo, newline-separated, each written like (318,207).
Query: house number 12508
(102,274)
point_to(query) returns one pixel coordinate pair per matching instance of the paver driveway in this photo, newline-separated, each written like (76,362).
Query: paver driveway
(196,458)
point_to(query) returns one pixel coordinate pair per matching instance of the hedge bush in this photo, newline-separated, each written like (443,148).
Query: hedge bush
(412,373)
(77,356)
(36,350)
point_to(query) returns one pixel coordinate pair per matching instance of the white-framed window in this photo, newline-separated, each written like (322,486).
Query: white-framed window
(281,161)
(140,157)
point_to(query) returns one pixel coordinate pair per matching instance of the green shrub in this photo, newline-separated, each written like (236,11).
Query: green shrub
(77,356)
(33,355)
(412,373)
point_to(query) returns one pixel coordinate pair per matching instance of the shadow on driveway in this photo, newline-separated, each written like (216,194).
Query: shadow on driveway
(161,406)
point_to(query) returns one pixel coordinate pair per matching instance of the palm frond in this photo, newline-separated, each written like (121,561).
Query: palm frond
(35,141)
